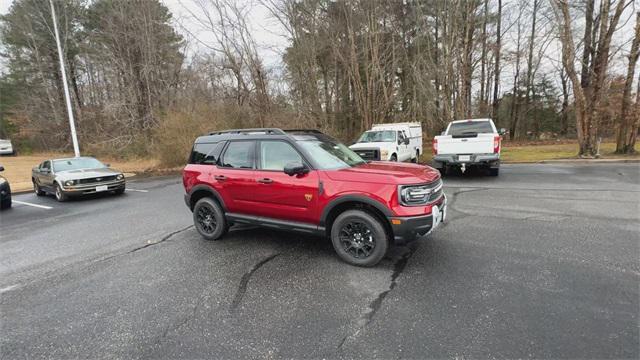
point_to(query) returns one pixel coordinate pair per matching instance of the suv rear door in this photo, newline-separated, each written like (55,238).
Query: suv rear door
(235,176)
(280,196)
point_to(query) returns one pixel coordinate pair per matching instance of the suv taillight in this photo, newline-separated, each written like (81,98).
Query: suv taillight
(435,146)
(496,144)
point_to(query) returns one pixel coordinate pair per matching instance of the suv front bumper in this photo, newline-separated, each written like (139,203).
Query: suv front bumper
(409,228)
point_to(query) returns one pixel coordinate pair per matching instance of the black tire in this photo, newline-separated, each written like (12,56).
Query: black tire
(37,190)
(494,171)
(5,204)
(349,234)
(394,158)
(119,191)
(60,195)
(209,219)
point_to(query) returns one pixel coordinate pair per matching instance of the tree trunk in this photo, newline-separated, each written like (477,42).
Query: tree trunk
(496,71)
(527,96)
(626,119)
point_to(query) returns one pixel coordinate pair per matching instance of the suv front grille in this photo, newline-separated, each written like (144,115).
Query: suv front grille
(366,154)
(97,179)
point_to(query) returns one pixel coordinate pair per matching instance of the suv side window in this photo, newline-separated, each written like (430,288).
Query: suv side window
(239,155)
(274,155)
(46,165)
(400,137)
(206,153)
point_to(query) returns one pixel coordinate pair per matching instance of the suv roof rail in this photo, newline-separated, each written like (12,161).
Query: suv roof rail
(315,131)
(268,131)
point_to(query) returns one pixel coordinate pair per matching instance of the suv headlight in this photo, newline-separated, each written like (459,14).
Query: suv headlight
(119,177)
(69,183)
(384,153)
(413,195)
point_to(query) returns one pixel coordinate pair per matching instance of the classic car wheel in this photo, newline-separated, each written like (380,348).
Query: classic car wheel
(37,190)
(60,195)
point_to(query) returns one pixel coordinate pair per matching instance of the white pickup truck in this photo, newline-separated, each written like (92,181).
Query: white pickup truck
(468,143)
(390,142)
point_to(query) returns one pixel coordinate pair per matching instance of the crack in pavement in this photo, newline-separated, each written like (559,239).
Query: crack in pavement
(375,305)
(244,281)
(89,262)
(163,239)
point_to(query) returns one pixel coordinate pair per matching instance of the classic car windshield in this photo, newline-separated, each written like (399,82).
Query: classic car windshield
(77,163)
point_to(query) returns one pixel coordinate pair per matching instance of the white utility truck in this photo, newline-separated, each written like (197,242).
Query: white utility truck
(468,143)
(391,142)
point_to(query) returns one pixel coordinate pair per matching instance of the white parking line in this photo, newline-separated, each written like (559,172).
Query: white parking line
(5,289)
(34,205)
(142,191)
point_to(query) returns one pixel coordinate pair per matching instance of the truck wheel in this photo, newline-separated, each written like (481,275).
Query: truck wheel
(394,158)
(209,219)
(494,171)
(359,238)
(415,159)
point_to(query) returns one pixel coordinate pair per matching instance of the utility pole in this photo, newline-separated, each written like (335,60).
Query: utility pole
(67,98)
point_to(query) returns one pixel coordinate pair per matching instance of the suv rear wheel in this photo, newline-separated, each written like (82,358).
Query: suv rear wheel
(359,238)
(209,219)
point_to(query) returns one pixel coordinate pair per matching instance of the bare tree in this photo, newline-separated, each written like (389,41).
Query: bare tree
(623,139)
(587,98)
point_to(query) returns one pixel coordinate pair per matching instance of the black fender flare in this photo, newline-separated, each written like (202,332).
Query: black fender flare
(353,198)
(210,190)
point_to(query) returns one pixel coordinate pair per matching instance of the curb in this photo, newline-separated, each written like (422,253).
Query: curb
(576,161)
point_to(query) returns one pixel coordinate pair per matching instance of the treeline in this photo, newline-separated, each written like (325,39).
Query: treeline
(140,84)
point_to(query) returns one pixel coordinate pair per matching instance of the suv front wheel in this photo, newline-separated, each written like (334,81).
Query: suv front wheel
(359,238)
(209,219)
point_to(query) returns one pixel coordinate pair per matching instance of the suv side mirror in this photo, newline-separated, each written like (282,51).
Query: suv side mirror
(295,168)
(406,141)
(502,131)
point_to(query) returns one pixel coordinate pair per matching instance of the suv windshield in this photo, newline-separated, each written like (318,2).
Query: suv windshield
(470,127)
(77,163)
(328,154)
(378,136)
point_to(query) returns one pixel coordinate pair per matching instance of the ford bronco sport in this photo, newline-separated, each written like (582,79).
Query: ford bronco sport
(304,180)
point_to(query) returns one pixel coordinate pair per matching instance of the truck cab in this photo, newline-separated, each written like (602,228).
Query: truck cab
(390,142)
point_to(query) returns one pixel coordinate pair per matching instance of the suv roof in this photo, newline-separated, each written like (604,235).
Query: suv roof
(256,134)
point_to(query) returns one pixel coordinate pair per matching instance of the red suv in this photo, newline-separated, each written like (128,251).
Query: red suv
(304,180)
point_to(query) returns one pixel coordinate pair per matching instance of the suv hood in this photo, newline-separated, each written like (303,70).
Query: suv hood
(383,172)
(85,173)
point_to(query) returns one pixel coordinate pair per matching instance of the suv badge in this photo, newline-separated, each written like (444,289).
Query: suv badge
(308,196)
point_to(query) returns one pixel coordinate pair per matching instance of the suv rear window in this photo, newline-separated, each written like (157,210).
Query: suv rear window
(239,155)
(470,127)
(206,153)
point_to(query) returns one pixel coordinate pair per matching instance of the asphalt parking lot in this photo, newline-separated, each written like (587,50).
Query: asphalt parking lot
(541,262)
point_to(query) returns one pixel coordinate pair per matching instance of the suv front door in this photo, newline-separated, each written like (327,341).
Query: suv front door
(280,196)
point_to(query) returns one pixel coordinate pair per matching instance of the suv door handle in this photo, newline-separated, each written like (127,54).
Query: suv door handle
(220,177)
(265,181)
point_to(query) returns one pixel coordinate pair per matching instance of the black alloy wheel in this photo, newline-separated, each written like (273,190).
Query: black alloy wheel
(206,219)
(209,219)
(357,239)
